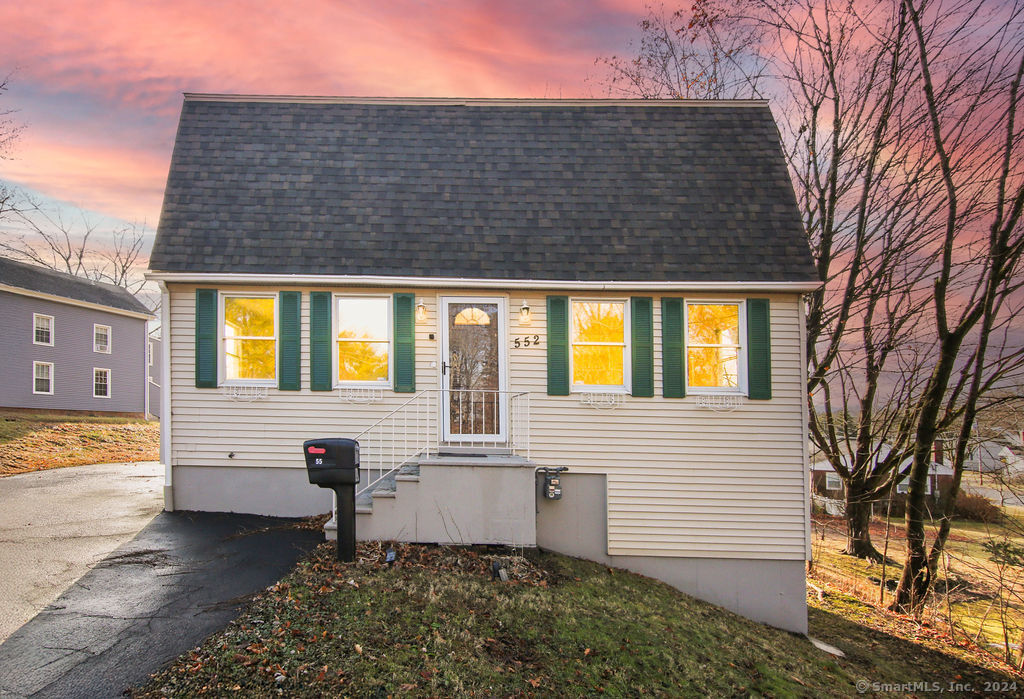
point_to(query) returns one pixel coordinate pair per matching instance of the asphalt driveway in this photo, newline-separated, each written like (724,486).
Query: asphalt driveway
(182,577)
(55,525)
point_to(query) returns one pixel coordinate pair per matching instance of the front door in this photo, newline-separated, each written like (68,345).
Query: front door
(473,340)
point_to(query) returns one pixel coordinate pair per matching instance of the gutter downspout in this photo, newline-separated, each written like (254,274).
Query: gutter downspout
(165,396)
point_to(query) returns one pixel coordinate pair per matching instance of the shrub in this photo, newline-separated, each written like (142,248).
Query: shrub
(976,508)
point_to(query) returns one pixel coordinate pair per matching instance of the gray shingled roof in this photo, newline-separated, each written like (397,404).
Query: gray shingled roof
(48,281)
(582,190)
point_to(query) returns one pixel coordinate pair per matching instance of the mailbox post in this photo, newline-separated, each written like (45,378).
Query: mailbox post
(334,464)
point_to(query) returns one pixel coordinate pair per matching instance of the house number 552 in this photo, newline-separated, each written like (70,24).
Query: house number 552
(527,341)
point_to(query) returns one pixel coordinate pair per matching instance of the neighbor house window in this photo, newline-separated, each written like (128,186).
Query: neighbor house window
(598,339)
(363,340)
(833,482)
(42,329)
(101,383)
(42,377)
(714,351)
(904,486)
(249,336)
(101,338)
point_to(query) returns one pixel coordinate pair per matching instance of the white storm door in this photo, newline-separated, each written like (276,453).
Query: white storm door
(474,340)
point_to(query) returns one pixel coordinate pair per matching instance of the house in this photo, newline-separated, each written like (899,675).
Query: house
(70,344)
(477,290)
(1002,453)
(154,369)
(825,482)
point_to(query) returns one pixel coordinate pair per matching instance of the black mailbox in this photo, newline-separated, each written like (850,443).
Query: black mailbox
(331,462)
(334,463)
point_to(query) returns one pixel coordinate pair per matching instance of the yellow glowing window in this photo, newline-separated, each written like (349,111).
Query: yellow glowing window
(599,343)
(363,340)
(250,338)
(713,345)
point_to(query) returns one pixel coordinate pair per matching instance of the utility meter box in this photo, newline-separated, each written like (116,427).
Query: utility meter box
(553,482)
(332,461)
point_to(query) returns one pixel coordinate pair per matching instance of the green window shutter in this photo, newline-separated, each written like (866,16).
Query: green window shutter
(290,302)
(206,338)
(641,315)
(673,384)
(759,350)
(558,345)
(405,343)
(320,364)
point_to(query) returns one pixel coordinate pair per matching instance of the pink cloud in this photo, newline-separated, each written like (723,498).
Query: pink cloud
(124,66)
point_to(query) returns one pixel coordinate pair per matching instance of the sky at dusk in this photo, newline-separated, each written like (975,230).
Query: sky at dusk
(98,86)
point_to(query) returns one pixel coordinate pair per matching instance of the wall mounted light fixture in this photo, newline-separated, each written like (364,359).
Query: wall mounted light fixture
(525,316)
(421,312)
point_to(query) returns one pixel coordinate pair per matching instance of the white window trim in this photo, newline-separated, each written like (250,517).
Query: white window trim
(627,349)
(833,479)
(903,487)
(741,379)
(335,322)
(110,338)
(52,374)
(149,353)
(36,316)
(94,370)
(221,337)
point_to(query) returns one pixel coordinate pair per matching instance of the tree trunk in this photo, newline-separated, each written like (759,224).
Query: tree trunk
(858,528)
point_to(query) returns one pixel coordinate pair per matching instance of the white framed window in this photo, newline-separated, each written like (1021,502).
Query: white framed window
(101,383)
(362,339)
(904,486)
(833,481)
(42,378)
(715,353)
(149,353)
(248,339)
(599,344)
(42,329)
(101,338)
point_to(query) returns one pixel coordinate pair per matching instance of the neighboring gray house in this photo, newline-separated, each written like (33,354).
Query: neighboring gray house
(154,363)
(478,289)
(69,343)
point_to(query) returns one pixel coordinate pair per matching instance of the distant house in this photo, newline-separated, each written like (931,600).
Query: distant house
(1000,454)
(826,482)
(70,344)
(154,364)
(478,290)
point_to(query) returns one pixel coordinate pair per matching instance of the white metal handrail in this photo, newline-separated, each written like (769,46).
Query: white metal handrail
(414,429)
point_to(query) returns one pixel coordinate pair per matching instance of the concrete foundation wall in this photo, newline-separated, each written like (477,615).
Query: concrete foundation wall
(769,591)
(278,492)
(457,504)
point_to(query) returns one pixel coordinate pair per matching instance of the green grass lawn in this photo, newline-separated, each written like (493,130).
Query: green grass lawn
(436,624)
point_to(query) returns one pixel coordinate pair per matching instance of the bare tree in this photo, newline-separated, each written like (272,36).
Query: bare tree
(970,66)
(77,246)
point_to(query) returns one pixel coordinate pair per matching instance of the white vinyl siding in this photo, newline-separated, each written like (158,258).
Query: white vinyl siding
(682,481)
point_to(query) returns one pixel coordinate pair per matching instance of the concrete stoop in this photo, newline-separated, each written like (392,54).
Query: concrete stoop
(461,495)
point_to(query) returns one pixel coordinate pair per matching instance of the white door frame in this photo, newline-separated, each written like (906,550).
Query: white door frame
(443,325)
